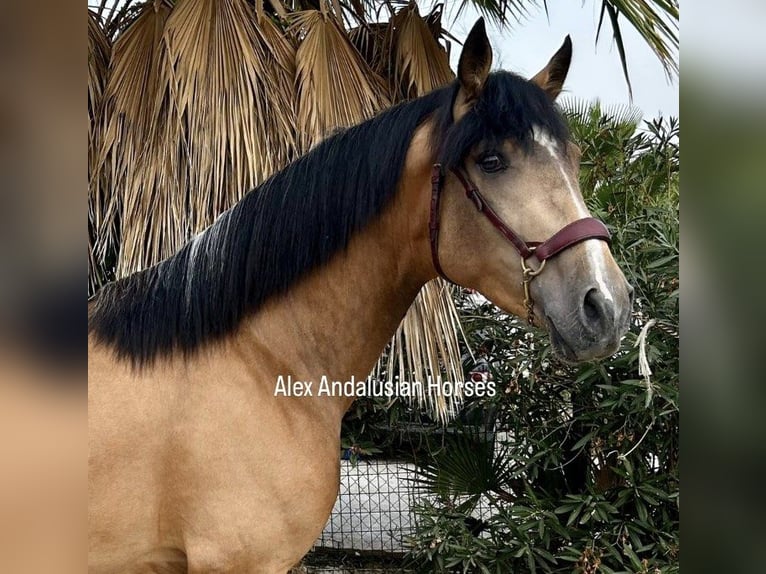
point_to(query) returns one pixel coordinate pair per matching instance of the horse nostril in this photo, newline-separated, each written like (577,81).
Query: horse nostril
(591,306)
(597,311)
(631,294)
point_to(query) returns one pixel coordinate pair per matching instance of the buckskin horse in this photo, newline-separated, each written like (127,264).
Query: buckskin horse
(195,465)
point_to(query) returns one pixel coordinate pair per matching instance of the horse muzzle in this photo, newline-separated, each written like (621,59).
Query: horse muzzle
(594,329)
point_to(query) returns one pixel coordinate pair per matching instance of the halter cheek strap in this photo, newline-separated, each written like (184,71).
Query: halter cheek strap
(433,219)
(567,236)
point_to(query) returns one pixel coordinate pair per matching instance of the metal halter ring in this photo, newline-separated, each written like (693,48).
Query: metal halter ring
(529,273)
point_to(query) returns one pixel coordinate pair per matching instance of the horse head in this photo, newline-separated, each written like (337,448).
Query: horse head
(526,239)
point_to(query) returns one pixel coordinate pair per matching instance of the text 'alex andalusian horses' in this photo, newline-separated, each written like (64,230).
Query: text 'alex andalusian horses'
(195,464)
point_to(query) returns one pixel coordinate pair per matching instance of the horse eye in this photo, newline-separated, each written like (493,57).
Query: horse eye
(491,163)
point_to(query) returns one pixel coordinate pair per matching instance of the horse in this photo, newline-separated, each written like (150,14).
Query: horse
(195,465)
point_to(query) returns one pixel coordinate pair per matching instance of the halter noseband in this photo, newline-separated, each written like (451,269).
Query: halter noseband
(567,236)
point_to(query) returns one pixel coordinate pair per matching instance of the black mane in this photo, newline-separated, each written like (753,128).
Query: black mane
(298,219)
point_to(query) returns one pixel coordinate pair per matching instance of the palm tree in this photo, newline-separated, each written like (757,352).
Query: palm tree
(195,102)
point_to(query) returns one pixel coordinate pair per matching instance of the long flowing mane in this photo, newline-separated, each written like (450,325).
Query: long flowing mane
(298,219)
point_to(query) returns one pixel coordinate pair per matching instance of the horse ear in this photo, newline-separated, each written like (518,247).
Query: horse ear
(475,61)
(551,77)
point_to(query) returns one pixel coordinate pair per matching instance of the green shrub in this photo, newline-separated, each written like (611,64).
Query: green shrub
(586,478)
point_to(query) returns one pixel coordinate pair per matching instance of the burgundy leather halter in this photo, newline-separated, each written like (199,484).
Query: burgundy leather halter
(569,235)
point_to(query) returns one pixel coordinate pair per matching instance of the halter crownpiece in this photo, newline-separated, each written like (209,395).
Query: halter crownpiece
(569,235)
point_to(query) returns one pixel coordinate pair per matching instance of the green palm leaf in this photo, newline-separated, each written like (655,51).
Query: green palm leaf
(469,465)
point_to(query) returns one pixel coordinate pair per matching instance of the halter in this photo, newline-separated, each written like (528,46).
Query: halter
(567,236)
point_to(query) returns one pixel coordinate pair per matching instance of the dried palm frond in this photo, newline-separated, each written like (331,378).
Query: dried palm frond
(99,51)
(279,69)
(129,121)
(277,5)
(233,89)
(215,117)
(420,63)
(430,331)
(336,87)
(119,16)
(425,348)
(372,43)
(406,51)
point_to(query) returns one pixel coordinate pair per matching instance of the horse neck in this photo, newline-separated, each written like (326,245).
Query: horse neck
(337,320)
